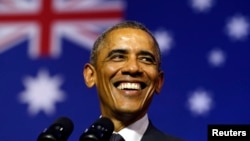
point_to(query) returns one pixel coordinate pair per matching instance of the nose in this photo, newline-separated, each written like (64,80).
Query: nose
(132,67)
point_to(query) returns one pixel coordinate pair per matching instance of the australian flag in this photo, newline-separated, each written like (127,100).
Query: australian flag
(44,44)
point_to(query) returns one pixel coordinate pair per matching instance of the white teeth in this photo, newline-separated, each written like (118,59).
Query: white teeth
(135,86)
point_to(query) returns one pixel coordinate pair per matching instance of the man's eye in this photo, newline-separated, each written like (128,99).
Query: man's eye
(117,57)
(147,59)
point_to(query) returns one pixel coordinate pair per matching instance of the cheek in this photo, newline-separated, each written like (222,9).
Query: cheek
(152,74)
(105,74)
(110,68)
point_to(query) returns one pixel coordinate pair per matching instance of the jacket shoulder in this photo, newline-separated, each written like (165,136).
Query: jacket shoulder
(153,134)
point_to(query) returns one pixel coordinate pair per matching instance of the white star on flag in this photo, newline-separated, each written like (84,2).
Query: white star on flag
(216,57)
(202,5)
(200,102)
(237,27)
(42,93)
(164,39)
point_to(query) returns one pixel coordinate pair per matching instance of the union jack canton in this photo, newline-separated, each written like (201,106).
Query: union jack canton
(44,22)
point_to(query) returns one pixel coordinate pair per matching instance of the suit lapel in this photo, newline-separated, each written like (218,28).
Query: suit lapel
(150,133)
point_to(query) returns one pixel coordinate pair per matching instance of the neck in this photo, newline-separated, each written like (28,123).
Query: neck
(122,120)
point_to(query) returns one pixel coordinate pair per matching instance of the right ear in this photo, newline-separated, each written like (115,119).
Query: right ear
(89,75)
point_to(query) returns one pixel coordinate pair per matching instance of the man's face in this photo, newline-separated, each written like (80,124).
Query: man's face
(126,73)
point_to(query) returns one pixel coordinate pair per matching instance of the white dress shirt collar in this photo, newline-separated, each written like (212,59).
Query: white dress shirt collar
(135,131)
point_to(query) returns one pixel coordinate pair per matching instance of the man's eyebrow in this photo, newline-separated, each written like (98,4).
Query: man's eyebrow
(121,51)
(147,53)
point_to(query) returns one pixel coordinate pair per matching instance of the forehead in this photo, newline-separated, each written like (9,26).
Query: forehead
(129,38)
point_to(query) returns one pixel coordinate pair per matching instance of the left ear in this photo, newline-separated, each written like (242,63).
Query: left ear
(160,82)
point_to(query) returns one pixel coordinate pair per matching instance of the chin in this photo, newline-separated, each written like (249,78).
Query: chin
(129,111)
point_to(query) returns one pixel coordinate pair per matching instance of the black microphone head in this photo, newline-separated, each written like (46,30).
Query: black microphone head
(101,130)
(60,130)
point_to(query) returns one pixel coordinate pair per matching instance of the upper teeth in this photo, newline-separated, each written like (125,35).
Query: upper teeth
(129,86)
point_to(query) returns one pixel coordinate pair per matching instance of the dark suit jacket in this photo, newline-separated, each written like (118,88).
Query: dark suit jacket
(153,134)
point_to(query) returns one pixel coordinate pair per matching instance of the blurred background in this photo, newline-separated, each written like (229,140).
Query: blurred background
(45,43)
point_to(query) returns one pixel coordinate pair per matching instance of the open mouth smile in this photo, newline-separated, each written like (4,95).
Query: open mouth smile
(130,85)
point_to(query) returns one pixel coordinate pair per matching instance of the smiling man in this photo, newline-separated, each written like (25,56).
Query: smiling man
(125,68)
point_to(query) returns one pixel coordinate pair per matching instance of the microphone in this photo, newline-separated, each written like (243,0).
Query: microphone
(100,130)
(60,130)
